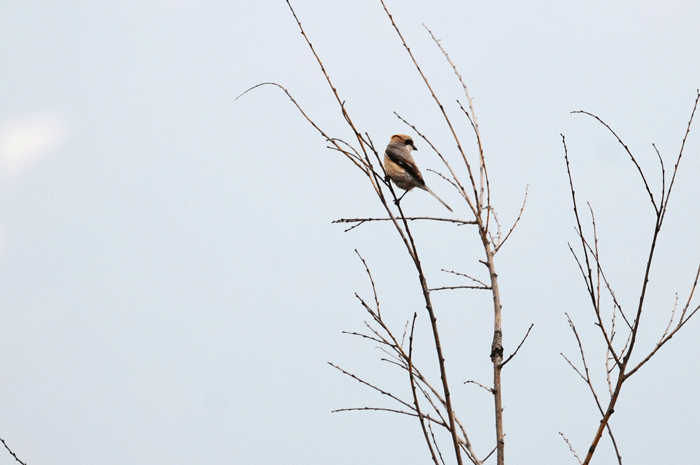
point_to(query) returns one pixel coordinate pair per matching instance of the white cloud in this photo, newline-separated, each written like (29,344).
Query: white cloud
(25,141)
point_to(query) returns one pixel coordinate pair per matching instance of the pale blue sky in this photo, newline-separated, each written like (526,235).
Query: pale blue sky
(171,283)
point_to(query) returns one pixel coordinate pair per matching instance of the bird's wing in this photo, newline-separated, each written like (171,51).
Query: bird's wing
(405,161)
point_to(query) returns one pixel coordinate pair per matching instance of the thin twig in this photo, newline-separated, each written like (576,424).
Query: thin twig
(680,155)
(490,453)
(363,336)
(416,404)
(571,448)
(376,409)
(408,218)
(488,389)
(663,174)
(475,125)
(379,390)
(443,177)
(588,274)
(10,451)
(435,443)
(371,280)
(494,242)
(359,163)
(465,275)
(522,209)
(450,288)
(519,345)
(634,160)
(587,377)
(667,337)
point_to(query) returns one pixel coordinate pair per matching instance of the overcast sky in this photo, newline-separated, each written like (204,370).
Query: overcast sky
(171,284)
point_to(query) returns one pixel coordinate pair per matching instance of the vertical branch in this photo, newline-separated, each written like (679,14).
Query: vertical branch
(483,174)
(680,155)
(496,354)
(412,379)
(490,248)
(588,274)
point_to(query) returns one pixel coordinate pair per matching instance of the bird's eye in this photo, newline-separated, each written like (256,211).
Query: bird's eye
(409,141)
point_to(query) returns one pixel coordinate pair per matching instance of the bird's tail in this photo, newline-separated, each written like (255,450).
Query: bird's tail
(435,195)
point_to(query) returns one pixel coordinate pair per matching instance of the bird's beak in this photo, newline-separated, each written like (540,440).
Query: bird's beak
(414,147)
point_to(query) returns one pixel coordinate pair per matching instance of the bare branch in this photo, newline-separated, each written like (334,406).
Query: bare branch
(403,336)
(488,389)
(437,447)
(444,178)
(408,218)
(341,103)
(522,209)
(371,280)
(680,155)
(663,175)
(670,321)
(381,391)
(571,448)
(10,451)
(475,125)
(588,275)
(600,270)
(359,163)
(363,336)
(519,346)
(634,160)
(450,288)
(376,409)
(667,337)
(491,453)
(596,297)
(614,443)
(580,267)
(587,377)
(494,242)
(690,295)
(466,276)
(415,394)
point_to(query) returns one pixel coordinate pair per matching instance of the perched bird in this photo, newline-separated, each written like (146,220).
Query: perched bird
(401,168)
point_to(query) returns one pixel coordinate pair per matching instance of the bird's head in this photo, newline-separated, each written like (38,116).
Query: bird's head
(403,139)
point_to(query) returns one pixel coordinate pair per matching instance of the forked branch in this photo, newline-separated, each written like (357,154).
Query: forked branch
(591,254)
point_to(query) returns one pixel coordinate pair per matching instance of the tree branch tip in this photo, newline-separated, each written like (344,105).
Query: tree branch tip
(11,452)
(267,83)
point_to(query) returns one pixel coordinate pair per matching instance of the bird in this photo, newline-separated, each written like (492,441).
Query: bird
(400,167)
